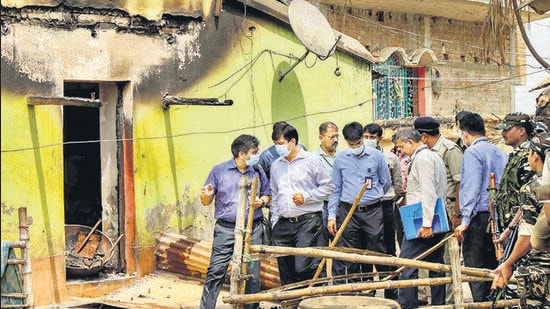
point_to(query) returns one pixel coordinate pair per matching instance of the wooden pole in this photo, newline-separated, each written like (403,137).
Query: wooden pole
(248,234)
(487,304)
(454,253)
(366,259)
(334,289)
(239,227)
(26,269)
(341,229)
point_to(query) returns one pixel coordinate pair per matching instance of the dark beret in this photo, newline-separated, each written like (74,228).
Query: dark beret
(426,124)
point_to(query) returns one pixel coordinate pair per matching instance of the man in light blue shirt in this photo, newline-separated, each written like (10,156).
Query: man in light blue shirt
(353,168)
(480,159)
(300,183)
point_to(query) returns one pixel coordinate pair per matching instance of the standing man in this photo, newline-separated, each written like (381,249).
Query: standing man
(517,129)
(480,159)
(353,168)
(451,154)
(533,272)
(426,181)
(223,184)
(372,135)
(299,183)
(328,138)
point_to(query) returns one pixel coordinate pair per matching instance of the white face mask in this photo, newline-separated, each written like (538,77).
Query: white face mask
(357,151)
(282,150)
(254,159)
(372,143)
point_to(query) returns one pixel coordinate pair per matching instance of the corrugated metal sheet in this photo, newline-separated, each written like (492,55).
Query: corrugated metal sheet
(150,9)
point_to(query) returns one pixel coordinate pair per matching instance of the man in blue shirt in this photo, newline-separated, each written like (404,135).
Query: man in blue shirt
(480,159)
(223,184)
(353,167)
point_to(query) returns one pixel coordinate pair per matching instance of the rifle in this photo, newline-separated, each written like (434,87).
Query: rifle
(499,251)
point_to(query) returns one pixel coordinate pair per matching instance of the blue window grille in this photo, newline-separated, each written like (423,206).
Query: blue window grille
(394,92)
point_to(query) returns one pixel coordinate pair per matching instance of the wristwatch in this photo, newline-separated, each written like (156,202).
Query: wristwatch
(458,215)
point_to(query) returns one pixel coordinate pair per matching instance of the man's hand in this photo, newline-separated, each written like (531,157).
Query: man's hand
(258,202)
(298,199)
(425,232)
(503,236)
(503,274)
(459,232)
(331,227)
(207,194)
(455,222)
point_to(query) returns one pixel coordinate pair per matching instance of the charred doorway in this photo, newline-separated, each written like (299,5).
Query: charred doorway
(82,157)
(93,161)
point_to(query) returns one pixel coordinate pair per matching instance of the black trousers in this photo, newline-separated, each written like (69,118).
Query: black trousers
(299,233)
(478,251)
(365,230)
(222,251)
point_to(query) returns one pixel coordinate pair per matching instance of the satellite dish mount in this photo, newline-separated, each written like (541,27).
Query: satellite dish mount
(312,29)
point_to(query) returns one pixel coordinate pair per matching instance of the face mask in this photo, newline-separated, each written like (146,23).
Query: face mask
(282,150)
(254,159)
(372,143)
(357,151)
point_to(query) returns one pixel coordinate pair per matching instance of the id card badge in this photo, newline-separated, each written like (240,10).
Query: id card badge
(368,182)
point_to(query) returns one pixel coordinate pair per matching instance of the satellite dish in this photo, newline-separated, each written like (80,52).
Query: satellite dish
(313,31)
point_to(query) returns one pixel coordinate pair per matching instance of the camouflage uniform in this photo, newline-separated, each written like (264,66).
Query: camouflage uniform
(533,270)
(516,174)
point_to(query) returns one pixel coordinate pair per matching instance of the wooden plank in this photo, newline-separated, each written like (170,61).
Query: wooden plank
(64,101)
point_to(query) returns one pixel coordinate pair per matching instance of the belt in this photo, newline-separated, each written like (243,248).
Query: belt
(230,224)
(363,207)
(302,217)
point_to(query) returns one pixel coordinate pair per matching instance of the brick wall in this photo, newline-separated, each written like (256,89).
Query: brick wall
(468,79)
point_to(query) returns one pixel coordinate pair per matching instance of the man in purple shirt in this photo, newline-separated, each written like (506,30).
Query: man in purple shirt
(299,184)
(480,159)
(223,184)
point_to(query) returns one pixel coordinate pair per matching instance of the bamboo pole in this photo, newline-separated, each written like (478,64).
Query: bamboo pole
(334,289)
(248,234)
(341,228)
(26,269)
(486,304)
(454,253)
(239,226)
(365,259)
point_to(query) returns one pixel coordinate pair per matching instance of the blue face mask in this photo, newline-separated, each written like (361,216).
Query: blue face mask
(372,143)
(357,151)
(282,150)
(254,159)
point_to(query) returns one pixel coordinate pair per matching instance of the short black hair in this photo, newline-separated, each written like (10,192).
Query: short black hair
(461,114)
(472,123)
(374,128)
(243,143)
(278,130)
(288,132)
(353,131)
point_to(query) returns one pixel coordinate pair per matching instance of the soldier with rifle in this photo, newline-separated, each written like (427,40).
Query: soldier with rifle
(532,266)
(480,159)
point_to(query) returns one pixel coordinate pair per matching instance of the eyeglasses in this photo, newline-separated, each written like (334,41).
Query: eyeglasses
(332,136)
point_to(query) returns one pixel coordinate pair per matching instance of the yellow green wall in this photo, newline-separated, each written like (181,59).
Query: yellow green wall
(175,149)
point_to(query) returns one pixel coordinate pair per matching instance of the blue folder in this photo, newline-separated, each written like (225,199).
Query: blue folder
(411,216)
